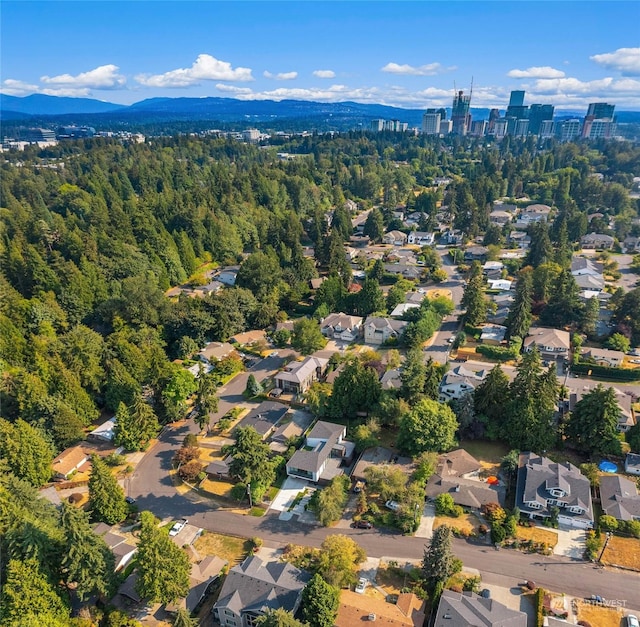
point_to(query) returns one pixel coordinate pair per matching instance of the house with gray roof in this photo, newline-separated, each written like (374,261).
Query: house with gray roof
(597,241)
(342,326)
(379,330)
(253,587)
(619,497)
(264,417)
(459,381)
(297,376)
(551,343)
(632,464)
(323,454)
(466,609)
(543,484)
(201,579)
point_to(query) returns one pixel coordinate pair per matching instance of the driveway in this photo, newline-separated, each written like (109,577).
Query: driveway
(571,543)
(287,495)
(513,599)
(425,530)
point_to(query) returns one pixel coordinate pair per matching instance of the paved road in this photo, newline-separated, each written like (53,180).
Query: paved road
(152,487)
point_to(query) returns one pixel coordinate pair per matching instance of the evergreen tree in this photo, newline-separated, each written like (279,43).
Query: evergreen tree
(26,451)
(541,249)
(206,401)
(252,463)
(337,264)
(519,318)
(341,222)
(564,307)
(473,300)
(369,299)
(438,560)
(135,425)
(413,376)
(564,252)
(183,619)
(319,604)
(106,497)
(88,562)
(356,388)
(163,567)
(29,599)
(374,226)
(590,316)
(531,408)
(593,424)
(278,618)
(253,387)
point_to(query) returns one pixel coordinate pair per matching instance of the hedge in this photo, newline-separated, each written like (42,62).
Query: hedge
(500,353)
(606,372)
(540,607)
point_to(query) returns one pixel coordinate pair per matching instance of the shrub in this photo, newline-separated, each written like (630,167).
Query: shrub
(190,470)
(608,523)
(539,607)
(633,527)
(592,546)
(113,459)
(498,534)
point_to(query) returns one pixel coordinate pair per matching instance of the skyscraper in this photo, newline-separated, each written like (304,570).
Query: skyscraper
(601,111)
(538,113)
(516,99)
(431,122)
(460,113)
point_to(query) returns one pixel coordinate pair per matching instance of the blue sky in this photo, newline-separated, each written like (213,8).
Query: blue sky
(407,54)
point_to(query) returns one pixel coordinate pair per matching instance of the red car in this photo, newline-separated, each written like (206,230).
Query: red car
(362,524)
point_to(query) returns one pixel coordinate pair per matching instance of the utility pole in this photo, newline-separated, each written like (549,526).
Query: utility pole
(249,495)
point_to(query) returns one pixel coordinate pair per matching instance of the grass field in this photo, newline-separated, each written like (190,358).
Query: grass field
(230,548)
(467,523)
(622,552)
(538,534)
(217,488)
(485,451)
(599,616)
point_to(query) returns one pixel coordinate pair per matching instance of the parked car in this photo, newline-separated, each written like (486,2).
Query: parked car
(178,527)
(361,524)
(130,500)
(392,505)
(362,585)
(358,487)
(632,621)
(273,354)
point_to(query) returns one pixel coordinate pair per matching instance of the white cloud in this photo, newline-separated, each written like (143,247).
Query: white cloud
(624,60)
(324,73)
(13,87)
(69,92)
(431,69)
(205,67)
(103,77)
(571,86)
(536,72)
(233,89)
(281,76)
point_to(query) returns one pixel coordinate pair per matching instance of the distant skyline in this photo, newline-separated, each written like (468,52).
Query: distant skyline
(405,54)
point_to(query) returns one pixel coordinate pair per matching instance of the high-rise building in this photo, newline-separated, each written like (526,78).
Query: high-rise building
(538,113)
(569,129)
(494,115)
(479,128)
(516,99)
(376,125)
(601,111)
(460,113)
(547,129)
(500,128)
(597,128)
(431,122)
(522,128)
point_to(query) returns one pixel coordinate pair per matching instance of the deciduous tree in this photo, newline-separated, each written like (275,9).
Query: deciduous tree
(339,559)
(429,426)
(307,337)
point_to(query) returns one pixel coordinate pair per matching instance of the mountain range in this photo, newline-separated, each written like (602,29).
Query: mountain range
(36,107)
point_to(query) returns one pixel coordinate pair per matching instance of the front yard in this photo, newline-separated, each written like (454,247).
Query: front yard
(623,552)
(229,548)
(467,524)
(539,535)
(600,616)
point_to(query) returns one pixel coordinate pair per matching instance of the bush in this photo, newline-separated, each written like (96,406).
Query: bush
(113,459)
(539,607)
(190,471)
(592,546)
(608,523)
(632,527)
(498,534)
(614,374)
(190,440)
(499,353)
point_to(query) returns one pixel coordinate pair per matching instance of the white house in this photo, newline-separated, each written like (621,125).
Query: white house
(297,376)
(342,326)
(379,330)
(421,238)
(459,381)
(632,464)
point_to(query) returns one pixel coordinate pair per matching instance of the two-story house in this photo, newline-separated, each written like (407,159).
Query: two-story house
(603,356)
(377,331)
(459,381)
(324,452)
(396,238)
(543,484)
(253,587)
(342,326)
(597,241)
(619,497)
(297,376)
(421,238)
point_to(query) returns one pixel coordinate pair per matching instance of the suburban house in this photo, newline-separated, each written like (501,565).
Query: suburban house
(597,241)
(632,244)
(264,417)
(499,217)
(201,579)
(583,265)
(476,253)
(459,381)
(632,464)
(519,239)
(284,434)
(359,240)
(452,238)
(351,206)
(619,497)
(543,484)
(216,351)
(551,343)
(342,326)
(317,282)
(391,379)
(408,271)
(415,297)
(379,330)
(354,608)
(603,356)
(400,310)
(494,335)
(500,284)
(590,282)
(322,456)
(228,275)
(626,418)
(458,463)
(396,238)
(121,549)
(104,432)
(297,376)
(421,238)
(253,587)
(463,609)
(68,462)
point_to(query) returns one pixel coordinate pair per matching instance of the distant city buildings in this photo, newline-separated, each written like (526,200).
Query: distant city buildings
(394,126)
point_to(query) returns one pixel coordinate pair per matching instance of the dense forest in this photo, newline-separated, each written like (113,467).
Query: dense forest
(94,232)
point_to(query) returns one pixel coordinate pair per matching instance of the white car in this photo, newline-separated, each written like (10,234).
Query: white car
(632,621)
(178,527)
(394,506)
(362,585)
